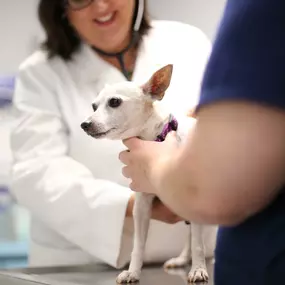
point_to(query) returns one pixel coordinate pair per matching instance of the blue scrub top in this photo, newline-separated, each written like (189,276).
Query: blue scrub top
(248,62)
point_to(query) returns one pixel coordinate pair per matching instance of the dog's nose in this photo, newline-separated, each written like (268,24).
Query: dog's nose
(86,125)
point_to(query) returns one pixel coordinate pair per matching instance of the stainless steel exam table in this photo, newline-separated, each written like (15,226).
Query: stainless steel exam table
(91,275)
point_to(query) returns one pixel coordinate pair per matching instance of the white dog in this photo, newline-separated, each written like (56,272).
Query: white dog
(126,110)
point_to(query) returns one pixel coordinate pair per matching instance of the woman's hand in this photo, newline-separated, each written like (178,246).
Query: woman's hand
(146,160)
(159,211)
(162,213)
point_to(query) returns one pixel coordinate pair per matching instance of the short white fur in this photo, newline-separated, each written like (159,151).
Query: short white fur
(140,114)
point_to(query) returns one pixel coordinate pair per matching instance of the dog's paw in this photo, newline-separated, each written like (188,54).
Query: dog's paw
(176,262)
(128,277)
(198,274)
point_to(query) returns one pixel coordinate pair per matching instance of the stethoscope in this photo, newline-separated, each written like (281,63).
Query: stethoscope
(135,37)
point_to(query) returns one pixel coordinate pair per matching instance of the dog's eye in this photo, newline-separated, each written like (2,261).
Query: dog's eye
(94,107)
(115,102)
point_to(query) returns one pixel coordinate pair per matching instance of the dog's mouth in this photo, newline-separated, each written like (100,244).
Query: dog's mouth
(98,135)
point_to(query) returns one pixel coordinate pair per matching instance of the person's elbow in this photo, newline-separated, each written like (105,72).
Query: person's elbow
(224,216)
(215,214)
(227,210)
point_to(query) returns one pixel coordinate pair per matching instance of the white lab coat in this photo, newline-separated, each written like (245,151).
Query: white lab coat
(71,183)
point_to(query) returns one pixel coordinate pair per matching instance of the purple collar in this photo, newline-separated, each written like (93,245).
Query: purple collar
(172,125)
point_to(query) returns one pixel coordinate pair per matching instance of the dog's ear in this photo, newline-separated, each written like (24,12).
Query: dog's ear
(159,82)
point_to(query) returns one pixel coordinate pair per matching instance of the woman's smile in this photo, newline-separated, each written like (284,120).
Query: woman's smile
(106,20)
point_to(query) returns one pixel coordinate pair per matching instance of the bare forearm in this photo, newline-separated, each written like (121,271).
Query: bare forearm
(189,185)
(180,188)
(223,174)
(179,192)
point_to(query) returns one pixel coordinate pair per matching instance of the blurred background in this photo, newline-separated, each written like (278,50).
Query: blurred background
(20,35)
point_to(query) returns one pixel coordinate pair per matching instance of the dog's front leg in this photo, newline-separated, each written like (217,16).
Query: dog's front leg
(198,272)
(141,214)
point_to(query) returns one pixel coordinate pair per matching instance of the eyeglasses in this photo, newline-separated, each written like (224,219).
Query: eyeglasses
(78,4)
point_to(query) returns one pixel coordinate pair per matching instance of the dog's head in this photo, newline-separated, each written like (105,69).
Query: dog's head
(121,110)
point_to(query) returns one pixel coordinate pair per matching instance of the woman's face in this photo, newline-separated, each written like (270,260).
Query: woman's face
(105,24)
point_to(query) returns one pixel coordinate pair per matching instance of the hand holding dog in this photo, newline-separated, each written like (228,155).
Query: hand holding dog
(146,161)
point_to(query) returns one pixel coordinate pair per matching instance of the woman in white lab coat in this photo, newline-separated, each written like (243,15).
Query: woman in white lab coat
(80,204)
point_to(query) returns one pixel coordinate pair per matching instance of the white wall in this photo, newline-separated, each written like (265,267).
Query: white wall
(19,27)
(204,14)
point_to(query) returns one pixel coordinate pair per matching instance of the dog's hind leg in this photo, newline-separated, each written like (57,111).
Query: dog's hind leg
(184,257)
(141,214)
(198,272)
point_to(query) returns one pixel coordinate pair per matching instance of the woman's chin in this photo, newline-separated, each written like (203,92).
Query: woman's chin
(112,41)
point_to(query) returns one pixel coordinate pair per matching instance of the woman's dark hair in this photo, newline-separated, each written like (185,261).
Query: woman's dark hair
(61,38)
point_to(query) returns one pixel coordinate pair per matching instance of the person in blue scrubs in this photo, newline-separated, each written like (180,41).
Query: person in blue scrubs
(231,170)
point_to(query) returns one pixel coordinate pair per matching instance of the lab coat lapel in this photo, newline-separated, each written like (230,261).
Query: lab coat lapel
(91,68)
